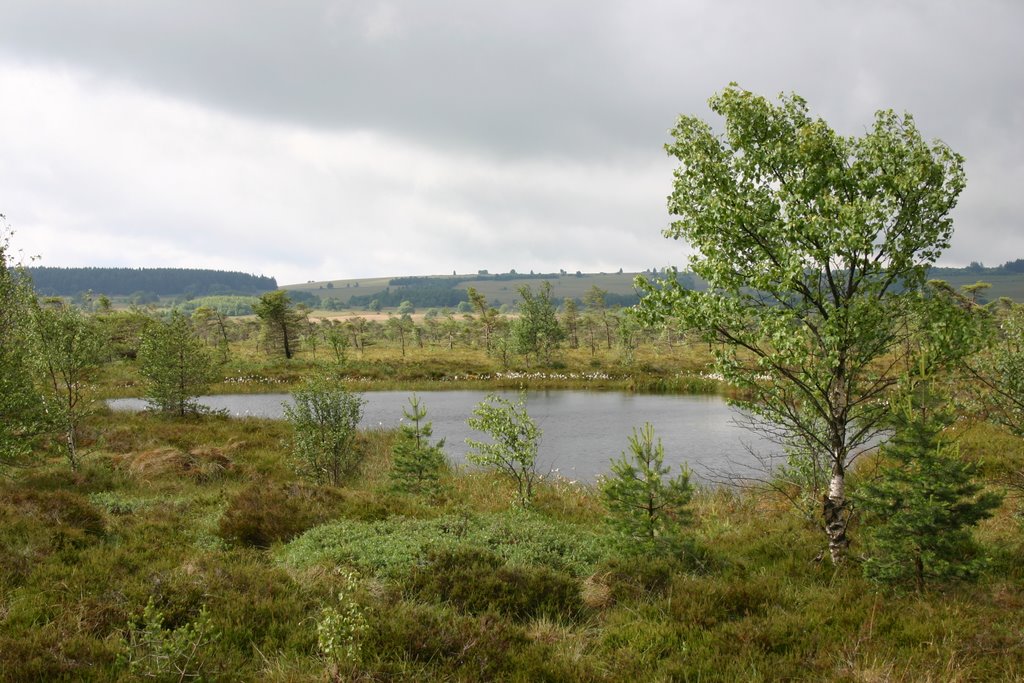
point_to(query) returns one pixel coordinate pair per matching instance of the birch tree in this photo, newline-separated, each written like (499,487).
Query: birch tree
(176,367)
(324,416)
(66,353)
(815,248)
(512,449)
(20,407)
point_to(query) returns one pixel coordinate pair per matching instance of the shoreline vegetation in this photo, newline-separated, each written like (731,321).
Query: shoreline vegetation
(682,371)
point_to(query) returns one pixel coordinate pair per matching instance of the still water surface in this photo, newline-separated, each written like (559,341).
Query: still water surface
(582,430)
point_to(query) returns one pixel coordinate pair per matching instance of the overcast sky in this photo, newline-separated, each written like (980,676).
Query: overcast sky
(315,140)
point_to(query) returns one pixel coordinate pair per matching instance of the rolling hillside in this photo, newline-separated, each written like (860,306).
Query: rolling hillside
(504,288)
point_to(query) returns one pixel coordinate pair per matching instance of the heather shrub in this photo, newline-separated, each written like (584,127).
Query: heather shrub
(479,582)
(391,547)
(263,514)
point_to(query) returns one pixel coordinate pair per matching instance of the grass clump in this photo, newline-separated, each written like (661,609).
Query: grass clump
(262,514)
(479,582)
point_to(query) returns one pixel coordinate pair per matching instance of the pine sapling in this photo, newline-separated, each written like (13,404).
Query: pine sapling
(647,512)
(417,464)
(920,511)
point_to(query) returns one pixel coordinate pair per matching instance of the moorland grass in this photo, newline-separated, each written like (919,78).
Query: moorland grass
(240,559)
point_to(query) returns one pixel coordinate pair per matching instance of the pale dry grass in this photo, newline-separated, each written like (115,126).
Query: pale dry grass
(596,593)
(202,463)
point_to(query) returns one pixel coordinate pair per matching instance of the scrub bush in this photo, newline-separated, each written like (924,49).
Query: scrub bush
(478,582)
(263,514)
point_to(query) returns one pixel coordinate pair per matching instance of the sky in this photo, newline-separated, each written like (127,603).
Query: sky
(332,139)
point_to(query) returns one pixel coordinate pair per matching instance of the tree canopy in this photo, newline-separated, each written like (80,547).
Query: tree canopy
(280,322)
(20,406)
(815,248)
(175,364)
(52,281)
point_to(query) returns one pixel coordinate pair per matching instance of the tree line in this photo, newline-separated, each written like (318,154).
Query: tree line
(54,281)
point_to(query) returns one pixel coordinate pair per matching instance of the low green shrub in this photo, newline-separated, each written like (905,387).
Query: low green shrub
(263,514)
(118,504)
(412,641)
(393,546)
(478,582)
(153,651)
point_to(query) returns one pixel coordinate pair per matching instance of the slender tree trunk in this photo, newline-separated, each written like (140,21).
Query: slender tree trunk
(287,347)
(835,514)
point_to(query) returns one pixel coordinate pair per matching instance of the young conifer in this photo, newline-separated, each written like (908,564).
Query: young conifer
(646,512)
(919,512)
(417,464)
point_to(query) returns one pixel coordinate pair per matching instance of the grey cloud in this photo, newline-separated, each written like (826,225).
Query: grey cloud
(552,115)
(594,78)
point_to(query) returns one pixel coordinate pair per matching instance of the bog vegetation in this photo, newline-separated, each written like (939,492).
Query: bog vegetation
(178,544)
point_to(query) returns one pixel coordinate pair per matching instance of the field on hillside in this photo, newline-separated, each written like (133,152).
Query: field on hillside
(503,291)
(506,291)
(1008,285)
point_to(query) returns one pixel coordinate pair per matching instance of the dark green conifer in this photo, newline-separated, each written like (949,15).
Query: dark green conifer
(647,512)
(417,464)
(920,511)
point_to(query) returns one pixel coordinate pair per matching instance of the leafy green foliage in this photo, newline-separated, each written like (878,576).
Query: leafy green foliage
(920,510)
(393,547)
(324,418)
(998,368)
(224,304)
(336,336)
(281,322)
(341,629)
(20,403)
(153,651)
(67,350)
(536,331)
(417,464)
(513,446)
(815,249)
(175,365)
(647,513)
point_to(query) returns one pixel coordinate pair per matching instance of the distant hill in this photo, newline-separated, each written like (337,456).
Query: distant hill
(448,290)
(50,281)
(437,291)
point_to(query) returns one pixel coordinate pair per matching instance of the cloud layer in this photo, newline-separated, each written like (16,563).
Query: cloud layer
(314,140)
